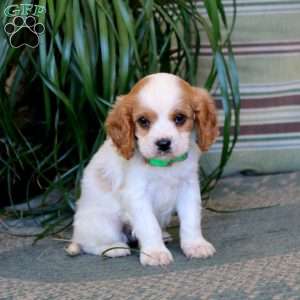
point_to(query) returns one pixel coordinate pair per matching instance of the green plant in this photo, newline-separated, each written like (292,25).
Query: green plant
(54,98)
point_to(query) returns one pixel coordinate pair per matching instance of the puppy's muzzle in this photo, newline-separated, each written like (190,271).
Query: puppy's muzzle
(163,145)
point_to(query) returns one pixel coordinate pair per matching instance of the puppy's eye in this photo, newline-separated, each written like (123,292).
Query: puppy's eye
(143,122)
(179,119)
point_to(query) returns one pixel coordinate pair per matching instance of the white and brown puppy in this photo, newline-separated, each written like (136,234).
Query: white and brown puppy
(146,169)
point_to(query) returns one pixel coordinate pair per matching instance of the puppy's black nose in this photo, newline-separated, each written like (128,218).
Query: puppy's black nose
(163,144)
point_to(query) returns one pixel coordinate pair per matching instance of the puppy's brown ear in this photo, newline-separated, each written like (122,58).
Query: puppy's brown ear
(120,126)
(205,118)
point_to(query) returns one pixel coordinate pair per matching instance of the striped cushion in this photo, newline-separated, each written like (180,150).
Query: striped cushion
(267,46)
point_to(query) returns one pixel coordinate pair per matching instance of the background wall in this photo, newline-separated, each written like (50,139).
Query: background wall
(267,47)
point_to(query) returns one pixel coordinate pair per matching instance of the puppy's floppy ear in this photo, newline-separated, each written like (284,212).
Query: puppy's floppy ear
(205,118)
(120,126)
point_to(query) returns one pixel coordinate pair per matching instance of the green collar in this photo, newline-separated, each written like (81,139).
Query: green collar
(157,162)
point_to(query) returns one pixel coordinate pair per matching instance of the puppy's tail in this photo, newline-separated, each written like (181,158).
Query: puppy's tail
(73,249)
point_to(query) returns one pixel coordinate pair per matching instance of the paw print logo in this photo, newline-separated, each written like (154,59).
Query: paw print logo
(24,32)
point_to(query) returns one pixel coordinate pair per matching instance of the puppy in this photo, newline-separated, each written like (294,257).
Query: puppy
(146,169)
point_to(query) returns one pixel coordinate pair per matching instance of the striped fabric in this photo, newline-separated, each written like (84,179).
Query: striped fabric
(267,46)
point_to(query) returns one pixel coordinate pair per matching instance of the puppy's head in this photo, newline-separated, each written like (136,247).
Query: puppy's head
(158,116)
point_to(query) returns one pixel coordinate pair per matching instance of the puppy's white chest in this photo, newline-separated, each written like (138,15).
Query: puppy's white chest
(162,191)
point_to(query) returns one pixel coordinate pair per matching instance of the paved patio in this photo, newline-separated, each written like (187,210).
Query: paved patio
(256,233)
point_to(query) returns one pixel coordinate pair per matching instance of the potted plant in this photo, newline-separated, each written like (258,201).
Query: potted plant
(55,94)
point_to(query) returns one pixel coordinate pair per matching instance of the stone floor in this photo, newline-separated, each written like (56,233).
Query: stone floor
(254,223)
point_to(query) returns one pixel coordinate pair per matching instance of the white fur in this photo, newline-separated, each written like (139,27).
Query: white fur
(116,191)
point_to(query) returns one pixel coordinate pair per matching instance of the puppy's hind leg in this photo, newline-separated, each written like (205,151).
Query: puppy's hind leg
(73,249)
(98,231)
(116,250)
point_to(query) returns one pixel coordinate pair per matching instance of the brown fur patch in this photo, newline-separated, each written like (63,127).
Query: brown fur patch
(205,112)
(185,109)
(120,126)
(149,114)
(139,86)
(205,118)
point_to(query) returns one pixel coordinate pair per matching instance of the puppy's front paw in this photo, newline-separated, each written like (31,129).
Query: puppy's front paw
(155,257)
(198,249)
